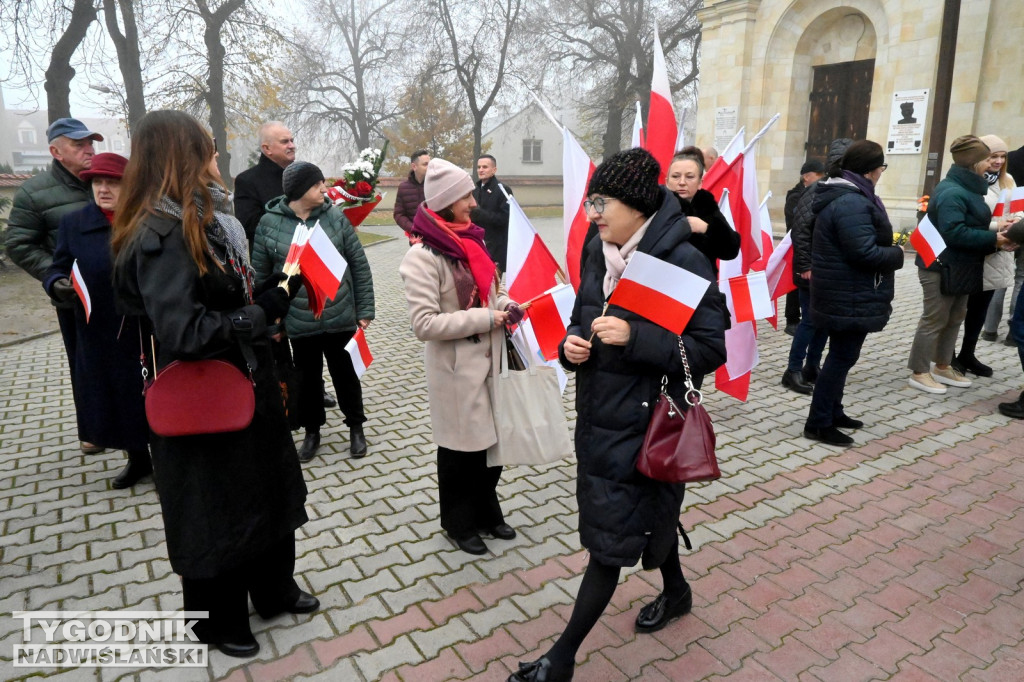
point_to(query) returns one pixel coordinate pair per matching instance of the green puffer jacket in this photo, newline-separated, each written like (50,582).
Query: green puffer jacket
(39,204)
(958,211)
(354,301)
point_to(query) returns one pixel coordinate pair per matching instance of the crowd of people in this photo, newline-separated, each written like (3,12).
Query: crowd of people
(178,272)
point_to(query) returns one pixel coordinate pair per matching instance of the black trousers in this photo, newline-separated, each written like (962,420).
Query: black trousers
(309,353)
(467,490)
(793,307)
(827,400)
(267,578)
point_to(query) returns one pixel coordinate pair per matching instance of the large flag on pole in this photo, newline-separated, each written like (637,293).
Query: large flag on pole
(662,127)
(748,298)
(532,269)
(780,269)
(927,241)
(663,293)
(576,171)
(78,282)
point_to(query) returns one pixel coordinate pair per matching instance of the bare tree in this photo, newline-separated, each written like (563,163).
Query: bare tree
(128,56)
(610,43)
(479,43)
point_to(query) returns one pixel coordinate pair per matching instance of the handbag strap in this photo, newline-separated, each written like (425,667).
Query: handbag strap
(693,395)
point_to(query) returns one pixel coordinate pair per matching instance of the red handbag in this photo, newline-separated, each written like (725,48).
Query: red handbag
(679,447)
(189,398)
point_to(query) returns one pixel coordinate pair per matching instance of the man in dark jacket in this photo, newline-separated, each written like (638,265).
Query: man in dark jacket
(410,192)
(491,212)
(810,173)
(808,342)
(38,207)
(1015,165)
(261,183)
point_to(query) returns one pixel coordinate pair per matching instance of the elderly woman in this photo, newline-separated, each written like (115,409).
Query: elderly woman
(853,265)
(459,310)
(108,379)
(1007,270)
(957,210)
(710,232)
(624,516)
(314,340)
(231,501)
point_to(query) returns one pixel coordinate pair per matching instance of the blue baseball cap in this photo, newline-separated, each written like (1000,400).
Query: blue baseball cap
(71,128)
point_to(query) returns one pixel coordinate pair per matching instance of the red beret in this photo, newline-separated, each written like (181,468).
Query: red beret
(108,165)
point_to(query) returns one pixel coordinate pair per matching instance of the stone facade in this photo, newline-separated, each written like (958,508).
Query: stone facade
(759,56)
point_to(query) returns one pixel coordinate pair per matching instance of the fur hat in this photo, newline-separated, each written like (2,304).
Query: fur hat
(995,144)
(967,150)
(298,177)
(444,184)
(631,177)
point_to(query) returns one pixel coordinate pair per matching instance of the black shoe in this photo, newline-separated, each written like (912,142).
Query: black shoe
(244,649)
(660,612)
(133,472)
(472,544)
(90,449)
(989,336)
(1008,341)
(794,381)
(969,363)
(828,434)
(810,373)
(304,603)
(540,670)
(309,446)
(1014,410)
(791,328)
(357,442)
(329,400)
(845,422)
(502,531)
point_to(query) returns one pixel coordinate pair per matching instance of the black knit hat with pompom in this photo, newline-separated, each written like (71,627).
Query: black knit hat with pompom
(631,177)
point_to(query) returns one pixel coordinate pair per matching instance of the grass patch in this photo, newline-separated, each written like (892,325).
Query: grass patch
(367,238)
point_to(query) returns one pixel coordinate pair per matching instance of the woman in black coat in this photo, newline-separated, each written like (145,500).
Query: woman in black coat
(624,516)
(853,265)
(710,232)
(107,375)
(231,501)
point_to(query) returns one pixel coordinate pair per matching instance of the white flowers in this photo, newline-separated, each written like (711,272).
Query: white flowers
(359,168)
(369,154)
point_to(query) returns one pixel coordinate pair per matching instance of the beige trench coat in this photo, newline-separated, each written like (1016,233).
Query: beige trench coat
(458,369)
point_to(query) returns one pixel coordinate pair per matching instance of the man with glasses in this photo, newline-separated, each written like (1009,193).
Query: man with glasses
(261,183)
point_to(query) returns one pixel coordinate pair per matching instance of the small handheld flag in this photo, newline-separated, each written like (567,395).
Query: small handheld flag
(927,241)
(663,293)
(360,352)
(78,282)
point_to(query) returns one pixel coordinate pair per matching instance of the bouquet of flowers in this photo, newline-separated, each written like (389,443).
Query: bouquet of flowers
(356,190)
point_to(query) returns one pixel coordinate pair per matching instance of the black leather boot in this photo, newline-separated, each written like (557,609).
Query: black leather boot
(357,441)
(138,467)
(310,444)
(1014,410)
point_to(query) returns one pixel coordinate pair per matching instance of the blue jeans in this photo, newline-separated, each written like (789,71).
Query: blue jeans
(808,341)
(1017,327)
(827,401)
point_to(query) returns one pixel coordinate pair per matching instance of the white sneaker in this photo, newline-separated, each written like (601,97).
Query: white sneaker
(950,377)
(924,382)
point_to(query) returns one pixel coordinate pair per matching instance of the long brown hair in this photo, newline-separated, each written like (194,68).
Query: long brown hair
(171,154)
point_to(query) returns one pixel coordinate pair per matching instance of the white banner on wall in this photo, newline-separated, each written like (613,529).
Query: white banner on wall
(726,122)
(906,122)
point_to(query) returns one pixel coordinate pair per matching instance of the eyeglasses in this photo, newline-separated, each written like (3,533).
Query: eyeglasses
(884,166)
(215,150)
(597,204)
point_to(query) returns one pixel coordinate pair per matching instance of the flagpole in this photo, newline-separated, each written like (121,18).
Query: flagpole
(547,112)
(560,273)
(603,311)
(761,133)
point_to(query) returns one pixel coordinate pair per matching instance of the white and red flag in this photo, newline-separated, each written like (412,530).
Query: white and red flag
(927,241)
(780,269)
(748,298)
(78,282)
(662,127)
(360,352)
(532,269)
(1010,201)
(549,316)
(637,140)
(576,171)
(659,291)
(322,269)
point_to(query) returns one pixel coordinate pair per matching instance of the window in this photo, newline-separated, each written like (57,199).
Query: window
(99,146)
(118,145)
(531,151)
(27,136)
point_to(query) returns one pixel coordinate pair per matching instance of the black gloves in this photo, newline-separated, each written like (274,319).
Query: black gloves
(275,303)
(62,291)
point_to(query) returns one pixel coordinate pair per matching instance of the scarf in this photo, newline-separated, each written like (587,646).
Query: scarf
(616,258)
(108,214)
(223,231)
(865,186)
(991,178)
(463,244)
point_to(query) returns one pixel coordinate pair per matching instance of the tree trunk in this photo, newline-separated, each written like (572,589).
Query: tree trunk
(127,46)
(60,72)
(613,129)
(215,80)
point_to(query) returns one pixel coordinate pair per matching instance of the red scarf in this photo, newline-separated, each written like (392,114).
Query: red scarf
(463,242)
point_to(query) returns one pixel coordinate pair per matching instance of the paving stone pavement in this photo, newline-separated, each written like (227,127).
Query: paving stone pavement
(899,558)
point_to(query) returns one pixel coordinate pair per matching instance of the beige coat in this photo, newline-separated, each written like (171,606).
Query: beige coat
(999,266)
(458,369)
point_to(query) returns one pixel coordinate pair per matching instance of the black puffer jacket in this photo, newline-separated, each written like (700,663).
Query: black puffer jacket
(802,230)
(623,515)
(852,260)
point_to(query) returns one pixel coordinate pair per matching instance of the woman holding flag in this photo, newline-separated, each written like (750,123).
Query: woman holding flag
(315,338)
(459,310)
(108,384)
(620,359)
(231,501)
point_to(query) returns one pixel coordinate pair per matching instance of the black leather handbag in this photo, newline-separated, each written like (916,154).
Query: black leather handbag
(960,279)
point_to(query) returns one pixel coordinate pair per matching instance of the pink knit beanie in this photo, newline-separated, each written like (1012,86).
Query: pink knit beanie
(995,144)
(444,184)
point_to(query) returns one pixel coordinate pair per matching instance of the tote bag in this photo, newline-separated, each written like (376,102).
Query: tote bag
(528,415)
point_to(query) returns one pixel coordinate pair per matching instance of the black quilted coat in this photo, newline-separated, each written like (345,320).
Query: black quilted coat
(624,516)
(853,260)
